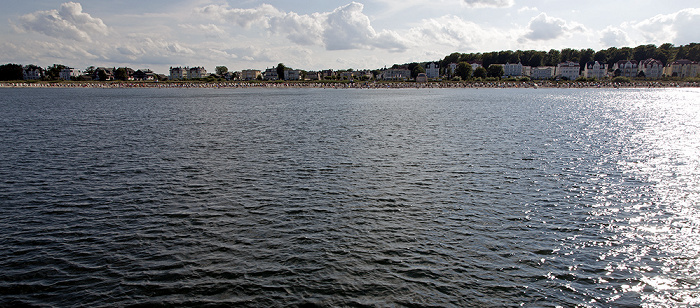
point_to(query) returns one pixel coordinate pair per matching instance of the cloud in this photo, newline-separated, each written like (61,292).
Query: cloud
(543,27)
(614,37)
(349,28)
(679,27)
(210,30)
(489,3)
(527,8)
(68,22)
(345,28)
(453,33)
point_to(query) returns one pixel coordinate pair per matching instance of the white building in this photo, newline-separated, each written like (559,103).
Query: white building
(396,74)
(569,70)
(542,72)
(452,69)
(292,74)
(67,73)
(250,74)
(475,65)
(595,70)
(432,70)
(652,68)
(627,68)
(197,72)
(513,69)
(178,73)
(313,75)
(270,74)
(31,73)
(682,68)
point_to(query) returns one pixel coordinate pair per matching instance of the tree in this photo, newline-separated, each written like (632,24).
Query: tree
(121,74)
(601,56)
(534,58)
(102,75)
(464,70)
(480,72)
(417,70)
(694,52)
(452,58)
(587,55)
(11,72)
(568,54)
(54,72)
(90,70)
(280,70)
(489,58)
(552,58)
(495,71)
(221,70)
(643,52)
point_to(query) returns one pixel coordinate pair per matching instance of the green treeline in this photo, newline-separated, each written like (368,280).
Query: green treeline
(665,53)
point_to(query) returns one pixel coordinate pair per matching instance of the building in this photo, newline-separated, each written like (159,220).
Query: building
(542,72)
(103,74)
(197,72)
(422,78)
(232,75)
(682,68)
(145,75)
(250,74)
(32,72)
(626,68)
(475,65)
(651,68)
(327,74)
(432,70)
(270,74)
(346,74)
(595,69)
(292,74)
(364,74)
(451,69)
(68,73)
(569,70)
(514,70)
(313,75)
(396,74)
(180,73)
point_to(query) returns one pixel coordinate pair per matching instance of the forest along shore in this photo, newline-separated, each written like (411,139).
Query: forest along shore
(358,85)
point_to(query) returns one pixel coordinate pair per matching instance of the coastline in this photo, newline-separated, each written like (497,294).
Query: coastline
(356,85)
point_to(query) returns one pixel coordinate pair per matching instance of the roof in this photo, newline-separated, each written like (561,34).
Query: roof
(683,62)
(650,62)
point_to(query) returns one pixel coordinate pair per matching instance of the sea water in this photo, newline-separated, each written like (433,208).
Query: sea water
(336,198)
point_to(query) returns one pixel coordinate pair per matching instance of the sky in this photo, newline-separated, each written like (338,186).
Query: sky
(323,34)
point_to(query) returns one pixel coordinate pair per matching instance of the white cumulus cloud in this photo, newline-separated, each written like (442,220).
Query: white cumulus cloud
(614,37)
(489,3)
(543,27)
(453,33)
(68,22)
(679,28)
(346,27)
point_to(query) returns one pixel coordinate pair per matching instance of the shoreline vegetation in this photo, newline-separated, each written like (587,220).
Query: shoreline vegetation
(352,85)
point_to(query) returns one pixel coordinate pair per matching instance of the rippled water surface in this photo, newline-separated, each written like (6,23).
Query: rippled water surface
(311,197)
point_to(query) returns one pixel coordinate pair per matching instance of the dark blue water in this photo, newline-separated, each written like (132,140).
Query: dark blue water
(350,198)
